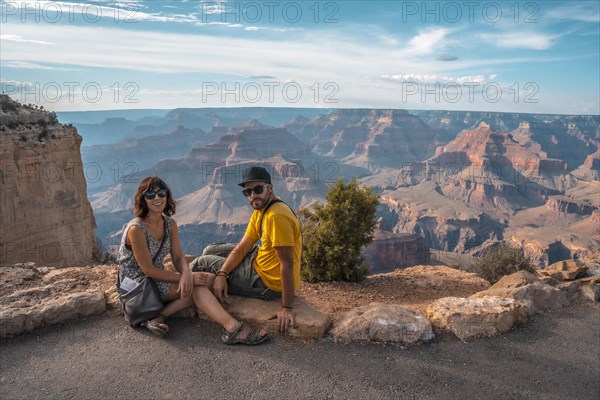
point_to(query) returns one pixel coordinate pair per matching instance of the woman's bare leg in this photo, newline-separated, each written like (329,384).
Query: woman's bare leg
(176,303)
(206,301)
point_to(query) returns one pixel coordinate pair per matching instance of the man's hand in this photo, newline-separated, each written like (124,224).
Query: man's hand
(286,319)
(186,284)
(220,288)
(202,278)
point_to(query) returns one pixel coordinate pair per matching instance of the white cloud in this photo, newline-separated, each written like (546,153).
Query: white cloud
(424,78)
(521,40)
(363,65)
(588,11)
(428,41)
(20,39)
(307,57)
(29,65)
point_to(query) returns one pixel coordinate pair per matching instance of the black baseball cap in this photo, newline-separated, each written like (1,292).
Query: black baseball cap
(255,173)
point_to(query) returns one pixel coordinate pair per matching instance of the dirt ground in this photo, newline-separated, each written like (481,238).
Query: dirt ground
(415,286)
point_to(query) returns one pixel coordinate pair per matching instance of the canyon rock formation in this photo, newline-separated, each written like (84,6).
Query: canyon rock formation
(45,216)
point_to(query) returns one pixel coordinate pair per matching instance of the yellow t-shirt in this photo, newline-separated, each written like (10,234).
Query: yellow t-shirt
(280,228)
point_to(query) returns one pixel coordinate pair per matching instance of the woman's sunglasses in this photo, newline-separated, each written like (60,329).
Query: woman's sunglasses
(258,189)
(149,195)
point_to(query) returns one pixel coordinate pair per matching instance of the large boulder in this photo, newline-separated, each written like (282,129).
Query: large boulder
(518,279)
(310,322)
(472,317)
(593,272)
(528,289)
(34,296)
(565,270)
(590,288)
(23,311)
(383,323)
(570,289)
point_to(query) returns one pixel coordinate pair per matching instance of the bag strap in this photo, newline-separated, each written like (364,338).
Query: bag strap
(162,242)
(266,208)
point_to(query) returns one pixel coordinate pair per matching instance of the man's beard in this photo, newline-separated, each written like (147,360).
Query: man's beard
(258,204)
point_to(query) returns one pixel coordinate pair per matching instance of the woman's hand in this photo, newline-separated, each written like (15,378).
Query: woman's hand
(186,284)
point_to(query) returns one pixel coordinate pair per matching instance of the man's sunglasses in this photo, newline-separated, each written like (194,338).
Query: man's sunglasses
(258,189)
(149,195)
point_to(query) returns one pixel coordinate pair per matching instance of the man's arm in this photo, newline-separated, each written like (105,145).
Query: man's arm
(286,316)
(286,262)
(237,254)
(235,257)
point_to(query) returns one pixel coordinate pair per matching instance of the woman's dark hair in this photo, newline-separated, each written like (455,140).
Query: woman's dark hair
(140,208)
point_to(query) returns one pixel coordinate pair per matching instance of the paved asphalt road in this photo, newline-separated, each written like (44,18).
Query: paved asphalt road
(556,356)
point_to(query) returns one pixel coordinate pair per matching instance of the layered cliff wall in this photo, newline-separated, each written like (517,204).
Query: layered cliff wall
(562,204)
(395,250)
(45,216)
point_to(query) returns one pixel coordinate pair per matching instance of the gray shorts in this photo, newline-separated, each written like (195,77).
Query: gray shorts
(243,280)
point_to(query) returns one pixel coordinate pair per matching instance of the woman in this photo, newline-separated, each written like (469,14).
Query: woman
(142,237)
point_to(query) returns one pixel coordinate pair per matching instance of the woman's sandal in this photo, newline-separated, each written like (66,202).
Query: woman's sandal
(252,338)
(154,325)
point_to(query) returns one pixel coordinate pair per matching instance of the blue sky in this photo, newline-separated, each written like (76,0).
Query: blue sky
(515,56)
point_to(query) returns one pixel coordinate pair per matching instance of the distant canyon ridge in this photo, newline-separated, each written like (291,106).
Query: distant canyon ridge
(450,183)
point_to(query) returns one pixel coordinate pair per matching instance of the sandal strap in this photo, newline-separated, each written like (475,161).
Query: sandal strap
(231,336)
(161,319)
(253,336)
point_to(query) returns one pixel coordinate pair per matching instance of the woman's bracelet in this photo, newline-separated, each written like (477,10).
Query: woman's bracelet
(291,308)
(223,273)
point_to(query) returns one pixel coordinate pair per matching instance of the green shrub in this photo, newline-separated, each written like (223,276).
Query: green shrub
(503,260)
(334,235)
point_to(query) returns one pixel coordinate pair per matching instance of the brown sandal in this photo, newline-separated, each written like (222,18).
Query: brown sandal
(252,338)
(153,325)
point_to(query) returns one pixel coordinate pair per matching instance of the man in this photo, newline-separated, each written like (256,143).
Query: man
(268,271)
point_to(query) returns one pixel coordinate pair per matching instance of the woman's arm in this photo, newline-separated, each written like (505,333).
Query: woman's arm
(139,246)
(176,253)
(186,283)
